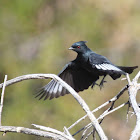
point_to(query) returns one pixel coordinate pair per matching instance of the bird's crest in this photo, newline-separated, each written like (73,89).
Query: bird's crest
(82,42)
(79,43)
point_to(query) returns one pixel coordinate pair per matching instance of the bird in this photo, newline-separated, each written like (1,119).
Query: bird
(83,72)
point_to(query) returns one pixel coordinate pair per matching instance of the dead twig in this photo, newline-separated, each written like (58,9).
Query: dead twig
(49,134)
(2,98)
(48,129)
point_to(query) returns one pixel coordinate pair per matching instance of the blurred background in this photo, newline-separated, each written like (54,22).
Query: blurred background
(35,37)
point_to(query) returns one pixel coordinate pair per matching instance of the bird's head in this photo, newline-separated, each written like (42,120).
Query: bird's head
(79,47)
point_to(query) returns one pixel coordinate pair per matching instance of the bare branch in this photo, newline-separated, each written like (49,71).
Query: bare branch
(116,97)
(2,98)
(49,134)
(85,131)
(71,90)
(105,113)
(48,129)
(137,77)
(133,88)
(27,77)
(88,135)
(66,131)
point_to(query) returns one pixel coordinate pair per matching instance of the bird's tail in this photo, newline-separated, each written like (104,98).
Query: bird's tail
(127,69)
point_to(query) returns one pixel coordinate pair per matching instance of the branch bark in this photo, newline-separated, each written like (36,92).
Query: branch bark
(50,134)
(132,90)
(53,130)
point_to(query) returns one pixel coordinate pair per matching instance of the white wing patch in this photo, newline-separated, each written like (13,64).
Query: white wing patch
(97,66)
(105,66)
(54,87)
(102,67)
(60,88)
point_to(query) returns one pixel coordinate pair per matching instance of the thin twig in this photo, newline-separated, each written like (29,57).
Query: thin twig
(83,134)
(107,112)
(66,131)
(48,129)
(2,98)
(111,111)
(90,133)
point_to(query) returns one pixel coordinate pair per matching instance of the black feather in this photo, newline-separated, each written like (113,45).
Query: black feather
(128,69)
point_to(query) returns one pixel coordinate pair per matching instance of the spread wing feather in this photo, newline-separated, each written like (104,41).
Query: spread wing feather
(77,77)
(104,67)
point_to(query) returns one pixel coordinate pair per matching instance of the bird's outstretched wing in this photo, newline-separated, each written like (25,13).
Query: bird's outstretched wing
(78,78)
(104,66)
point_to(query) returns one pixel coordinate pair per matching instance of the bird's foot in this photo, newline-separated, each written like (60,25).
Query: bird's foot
(93,84)
(101,85)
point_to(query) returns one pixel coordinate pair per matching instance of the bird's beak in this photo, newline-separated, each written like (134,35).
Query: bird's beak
(71,48)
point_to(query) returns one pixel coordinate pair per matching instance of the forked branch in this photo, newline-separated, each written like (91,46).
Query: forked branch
(134,86)
(85,107)
(47,134)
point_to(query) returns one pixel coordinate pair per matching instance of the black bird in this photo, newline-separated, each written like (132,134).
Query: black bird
(83,72)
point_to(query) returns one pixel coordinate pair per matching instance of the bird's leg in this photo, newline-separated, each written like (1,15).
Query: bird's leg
(102,82)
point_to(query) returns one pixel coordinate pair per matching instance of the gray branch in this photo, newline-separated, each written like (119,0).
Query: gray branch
(116,97)
(50,134)
(2,98)
(70,89)
(53,130)
(133,88)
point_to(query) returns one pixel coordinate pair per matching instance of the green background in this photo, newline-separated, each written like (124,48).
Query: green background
(35,37)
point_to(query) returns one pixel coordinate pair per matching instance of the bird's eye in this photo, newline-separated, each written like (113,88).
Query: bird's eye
(78,47)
